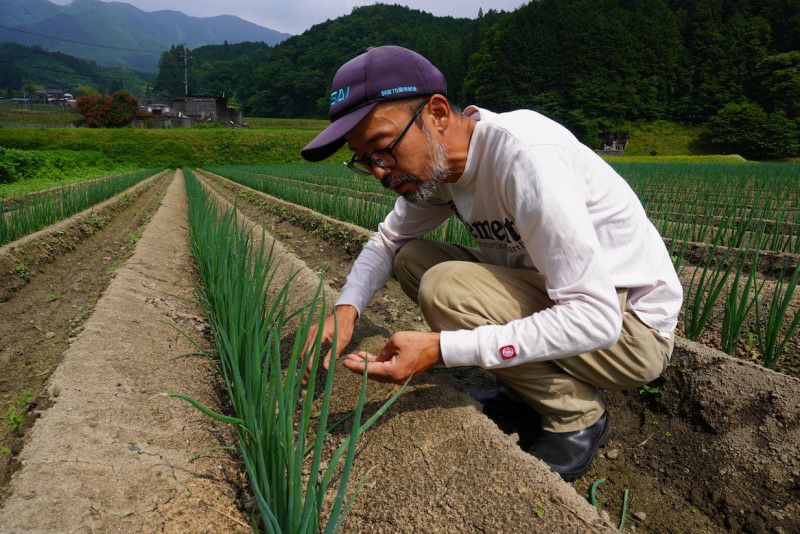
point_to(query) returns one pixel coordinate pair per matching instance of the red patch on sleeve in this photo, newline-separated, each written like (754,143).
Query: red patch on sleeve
(508,352)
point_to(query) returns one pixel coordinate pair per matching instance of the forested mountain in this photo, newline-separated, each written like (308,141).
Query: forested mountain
(581,61)
(291,79)
(24,65)
(115,24)
(675,59)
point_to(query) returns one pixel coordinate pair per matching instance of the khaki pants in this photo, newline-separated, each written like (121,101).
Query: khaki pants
(456,291)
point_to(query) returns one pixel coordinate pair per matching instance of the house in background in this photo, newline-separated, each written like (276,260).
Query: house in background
(55,97)
(159,109)
(205,108)
(188,111)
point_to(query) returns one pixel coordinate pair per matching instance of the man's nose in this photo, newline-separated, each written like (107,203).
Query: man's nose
(380,172)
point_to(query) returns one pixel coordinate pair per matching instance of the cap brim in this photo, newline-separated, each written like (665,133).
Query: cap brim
(331,138)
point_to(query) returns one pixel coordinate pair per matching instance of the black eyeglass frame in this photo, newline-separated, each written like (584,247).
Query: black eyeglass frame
(359,165)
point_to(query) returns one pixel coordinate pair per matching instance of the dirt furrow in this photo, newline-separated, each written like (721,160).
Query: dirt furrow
(38,320)
(21,260)
(113,454)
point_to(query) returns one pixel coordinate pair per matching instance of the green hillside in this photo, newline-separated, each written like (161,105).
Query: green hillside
(214,69)
(291,79)
(24,64)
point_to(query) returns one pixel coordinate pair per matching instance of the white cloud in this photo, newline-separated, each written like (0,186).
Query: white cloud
(296,16)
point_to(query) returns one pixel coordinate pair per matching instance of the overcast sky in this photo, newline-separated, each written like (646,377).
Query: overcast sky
(296,16)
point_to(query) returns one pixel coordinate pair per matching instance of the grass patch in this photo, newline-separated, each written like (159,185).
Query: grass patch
(656,138)
(36,114)
(17,414)
(173,147)
(732,158)
(264,122)
(27,171)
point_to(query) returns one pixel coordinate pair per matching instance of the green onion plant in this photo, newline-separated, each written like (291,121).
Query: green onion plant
(775,324)
(40,211)
(738,306)
(272,412)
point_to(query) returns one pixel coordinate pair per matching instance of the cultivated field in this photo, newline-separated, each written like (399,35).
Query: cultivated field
(176,290)
(37,115)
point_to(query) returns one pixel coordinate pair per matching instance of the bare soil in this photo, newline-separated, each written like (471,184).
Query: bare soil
(41,318)
(112,453)
(770,263)
(712,447)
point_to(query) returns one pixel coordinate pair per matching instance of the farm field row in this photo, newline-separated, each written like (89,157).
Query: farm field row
(433,452)
(21,216)
(50,285)
(741,299)
(112,452)
(148,439)
(764,219)
(662,434)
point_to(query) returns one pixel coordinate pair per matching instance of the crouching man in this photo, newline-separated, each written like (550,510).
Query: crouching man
(571,289)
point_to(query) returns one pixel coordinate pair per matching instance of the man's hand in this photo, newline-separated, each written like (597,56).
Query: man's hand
(344,323)
(406,354)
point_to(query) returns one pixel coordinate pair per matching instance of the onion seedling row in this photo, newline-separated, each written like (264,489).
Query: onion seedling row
(346,205)
(272,411)
(43,210)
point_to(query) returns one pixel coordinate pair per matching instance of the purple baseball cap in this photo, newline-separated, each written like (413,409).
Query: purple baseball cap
(381,73)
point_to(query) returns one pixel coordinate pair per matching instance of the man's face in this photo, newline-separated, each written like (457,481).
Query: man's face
(421,161)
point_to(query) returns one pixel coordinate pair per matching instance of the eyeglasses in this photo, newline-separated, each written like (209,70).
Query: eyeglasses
(383,158)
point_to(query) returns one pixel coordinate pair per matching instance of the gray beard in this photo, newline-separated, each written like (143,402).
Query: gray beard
(438,172)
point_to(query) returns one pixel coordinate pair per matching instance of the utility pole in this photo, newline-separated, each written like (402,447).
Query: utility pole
(185,71)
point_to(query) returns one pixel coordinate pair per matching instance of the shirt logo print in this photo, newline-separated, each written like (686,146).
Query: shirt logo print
(508,352)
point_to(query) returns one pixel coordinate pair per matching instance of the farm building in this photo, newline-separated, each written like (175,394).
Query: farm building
(207,109)
(614,143)
(50,96)
(159,109)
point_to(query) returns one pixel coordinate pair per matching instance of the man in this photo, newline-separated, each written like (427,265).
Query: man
(571,289)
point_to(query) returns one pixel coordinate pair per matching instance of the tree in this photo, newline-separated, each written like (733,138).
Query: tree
(780,83)
(114,86)
(31,87)
(169,82)
(746,129)
(113,111)
(604,58)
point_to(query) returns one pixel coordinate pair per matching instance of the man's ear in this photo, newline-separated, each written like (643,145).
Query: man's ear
(440,112)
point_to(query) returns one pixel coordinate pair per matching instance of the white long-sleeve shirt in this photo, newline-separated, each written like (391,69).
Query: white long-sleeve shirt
(533,196)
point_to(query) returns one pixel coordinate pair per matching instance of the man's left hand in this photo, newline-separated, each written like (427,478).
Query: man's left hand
(406,354)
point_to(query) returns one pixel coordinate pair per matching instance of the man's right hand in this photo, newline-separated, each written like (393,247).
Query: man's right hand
(343,320)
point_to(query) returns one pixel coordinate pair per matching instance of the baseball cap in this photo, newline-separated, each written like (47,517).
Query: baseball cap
(381,73)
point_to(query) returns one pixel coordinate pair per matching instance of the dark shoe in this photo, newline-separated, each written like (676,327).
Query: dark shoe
(498,403)
(571,453)
(509,414)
